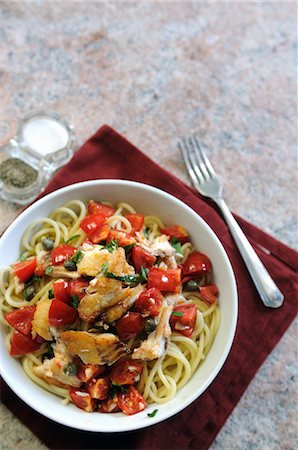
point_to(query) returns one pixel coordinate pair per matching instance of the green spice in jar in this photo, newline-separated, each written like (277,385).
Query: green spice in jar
(17,173)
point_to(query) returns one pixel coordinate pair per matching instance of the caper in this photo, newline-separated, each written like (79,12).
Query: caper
(28,292)
(191,285)
(47,243)
(70,265)
(150,325)
(70,369)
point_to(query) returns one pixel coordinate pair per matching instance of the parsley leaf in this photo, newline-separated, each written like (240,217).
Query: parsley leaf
(49,354)
(72,238)
(112,245)
(51,294)
(75,301)
(176,245)
(178,313)
(22,257)
(129,279)
(49,270)
(129,246)
(153,413)
(70,369)
(104,268)
(146,232)
(77,257)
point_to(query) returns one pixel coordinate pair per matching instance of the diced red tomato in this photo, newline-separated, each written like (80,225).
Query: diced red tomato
(131,401)
(136,220)
(21,319)
(61,313)
(185,323)
(196,265)
(100,208)
(24,270)
(165,280)
(77,287)
(90,223)
(61,290)
(126,372)
(110,405)
(141,257)
(130,325)
(87,372)
(99,388)
(176,231)
(149,302)
(209,293)
(100,233)
(21,344)
(123,238)
(39,270)
(82,399)
(62,253)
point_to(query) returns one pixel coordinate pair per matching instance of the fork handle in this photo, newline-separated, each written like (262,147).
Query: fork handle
(269,292)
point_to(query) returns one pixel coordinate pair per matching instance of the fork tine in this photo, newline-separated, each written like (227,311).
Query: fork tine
(204,157)
(185,151)
(198,160)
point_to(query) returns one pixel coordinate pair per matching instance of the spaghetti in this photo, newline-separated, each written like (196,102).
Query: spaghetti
(172,306)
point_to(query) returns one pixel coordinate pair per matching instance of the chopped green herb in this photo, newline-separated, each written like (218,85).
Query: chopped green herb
(51,294)
(178,313)
(129,279)
(75,301)
(77,257)
(47,243)
(49,270)
(70,265)
(104,268)
(22,257)
(144,273)
(113,391)
(28,293)
(129,246)
(153,413)
(49,353)
(112,245)
(176,245)
(146,232)
(72,238)
(70,369)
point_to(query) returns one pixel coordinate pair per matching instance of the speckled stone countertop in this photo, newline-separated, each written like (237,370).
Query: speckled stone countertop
(156,71)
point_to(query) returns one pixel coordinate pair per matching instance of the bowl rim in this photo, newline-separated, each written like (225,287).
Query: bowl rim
(85,426)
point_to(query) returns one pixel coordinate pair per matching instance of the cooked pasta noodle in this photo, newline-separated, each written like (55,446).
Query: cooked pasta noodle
(161,378)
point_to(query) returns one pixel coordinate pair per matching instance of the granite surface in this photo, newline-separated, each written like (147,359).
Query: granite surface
(157,71)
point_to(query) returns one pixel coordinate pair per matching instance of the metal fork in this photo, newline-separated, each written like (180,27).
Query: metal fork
(207,184)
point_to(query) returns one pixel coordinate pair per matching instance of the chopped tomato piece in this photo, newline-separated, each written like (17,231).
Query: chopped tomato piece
(39,270)
(61,290)
(176,231)
(209,293)
(61,313)
(123,238)
(183,319)
(110,405)
(196,265)
(141,257)
(62,253)
(165,280)
(100,208)
(100,233)
(136,220)
(87,372)
(82,399)
(131,401)
(78,287)
(21,319)
(126,372)
(89,223)
(99,388)
(149,302)
(21,344)
(130,325)
(24,270)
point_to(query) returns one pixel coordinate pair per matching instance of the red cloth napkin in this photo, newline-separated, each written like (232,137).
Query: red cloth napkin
(109,155)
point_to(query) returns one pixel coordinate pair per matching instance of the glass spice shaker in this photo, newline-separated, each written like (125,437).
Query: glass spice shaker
(44,142)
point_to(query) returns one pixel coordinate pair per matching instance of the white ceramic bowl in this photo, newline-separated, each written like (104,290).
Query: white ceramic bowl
(147,200)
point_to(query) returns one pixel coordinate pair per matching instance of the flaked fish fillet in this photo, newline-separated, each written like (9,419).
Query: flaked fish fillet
(104,292)
(105,348)
(117,311)
(40,322)
(53,370)
(92,261)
